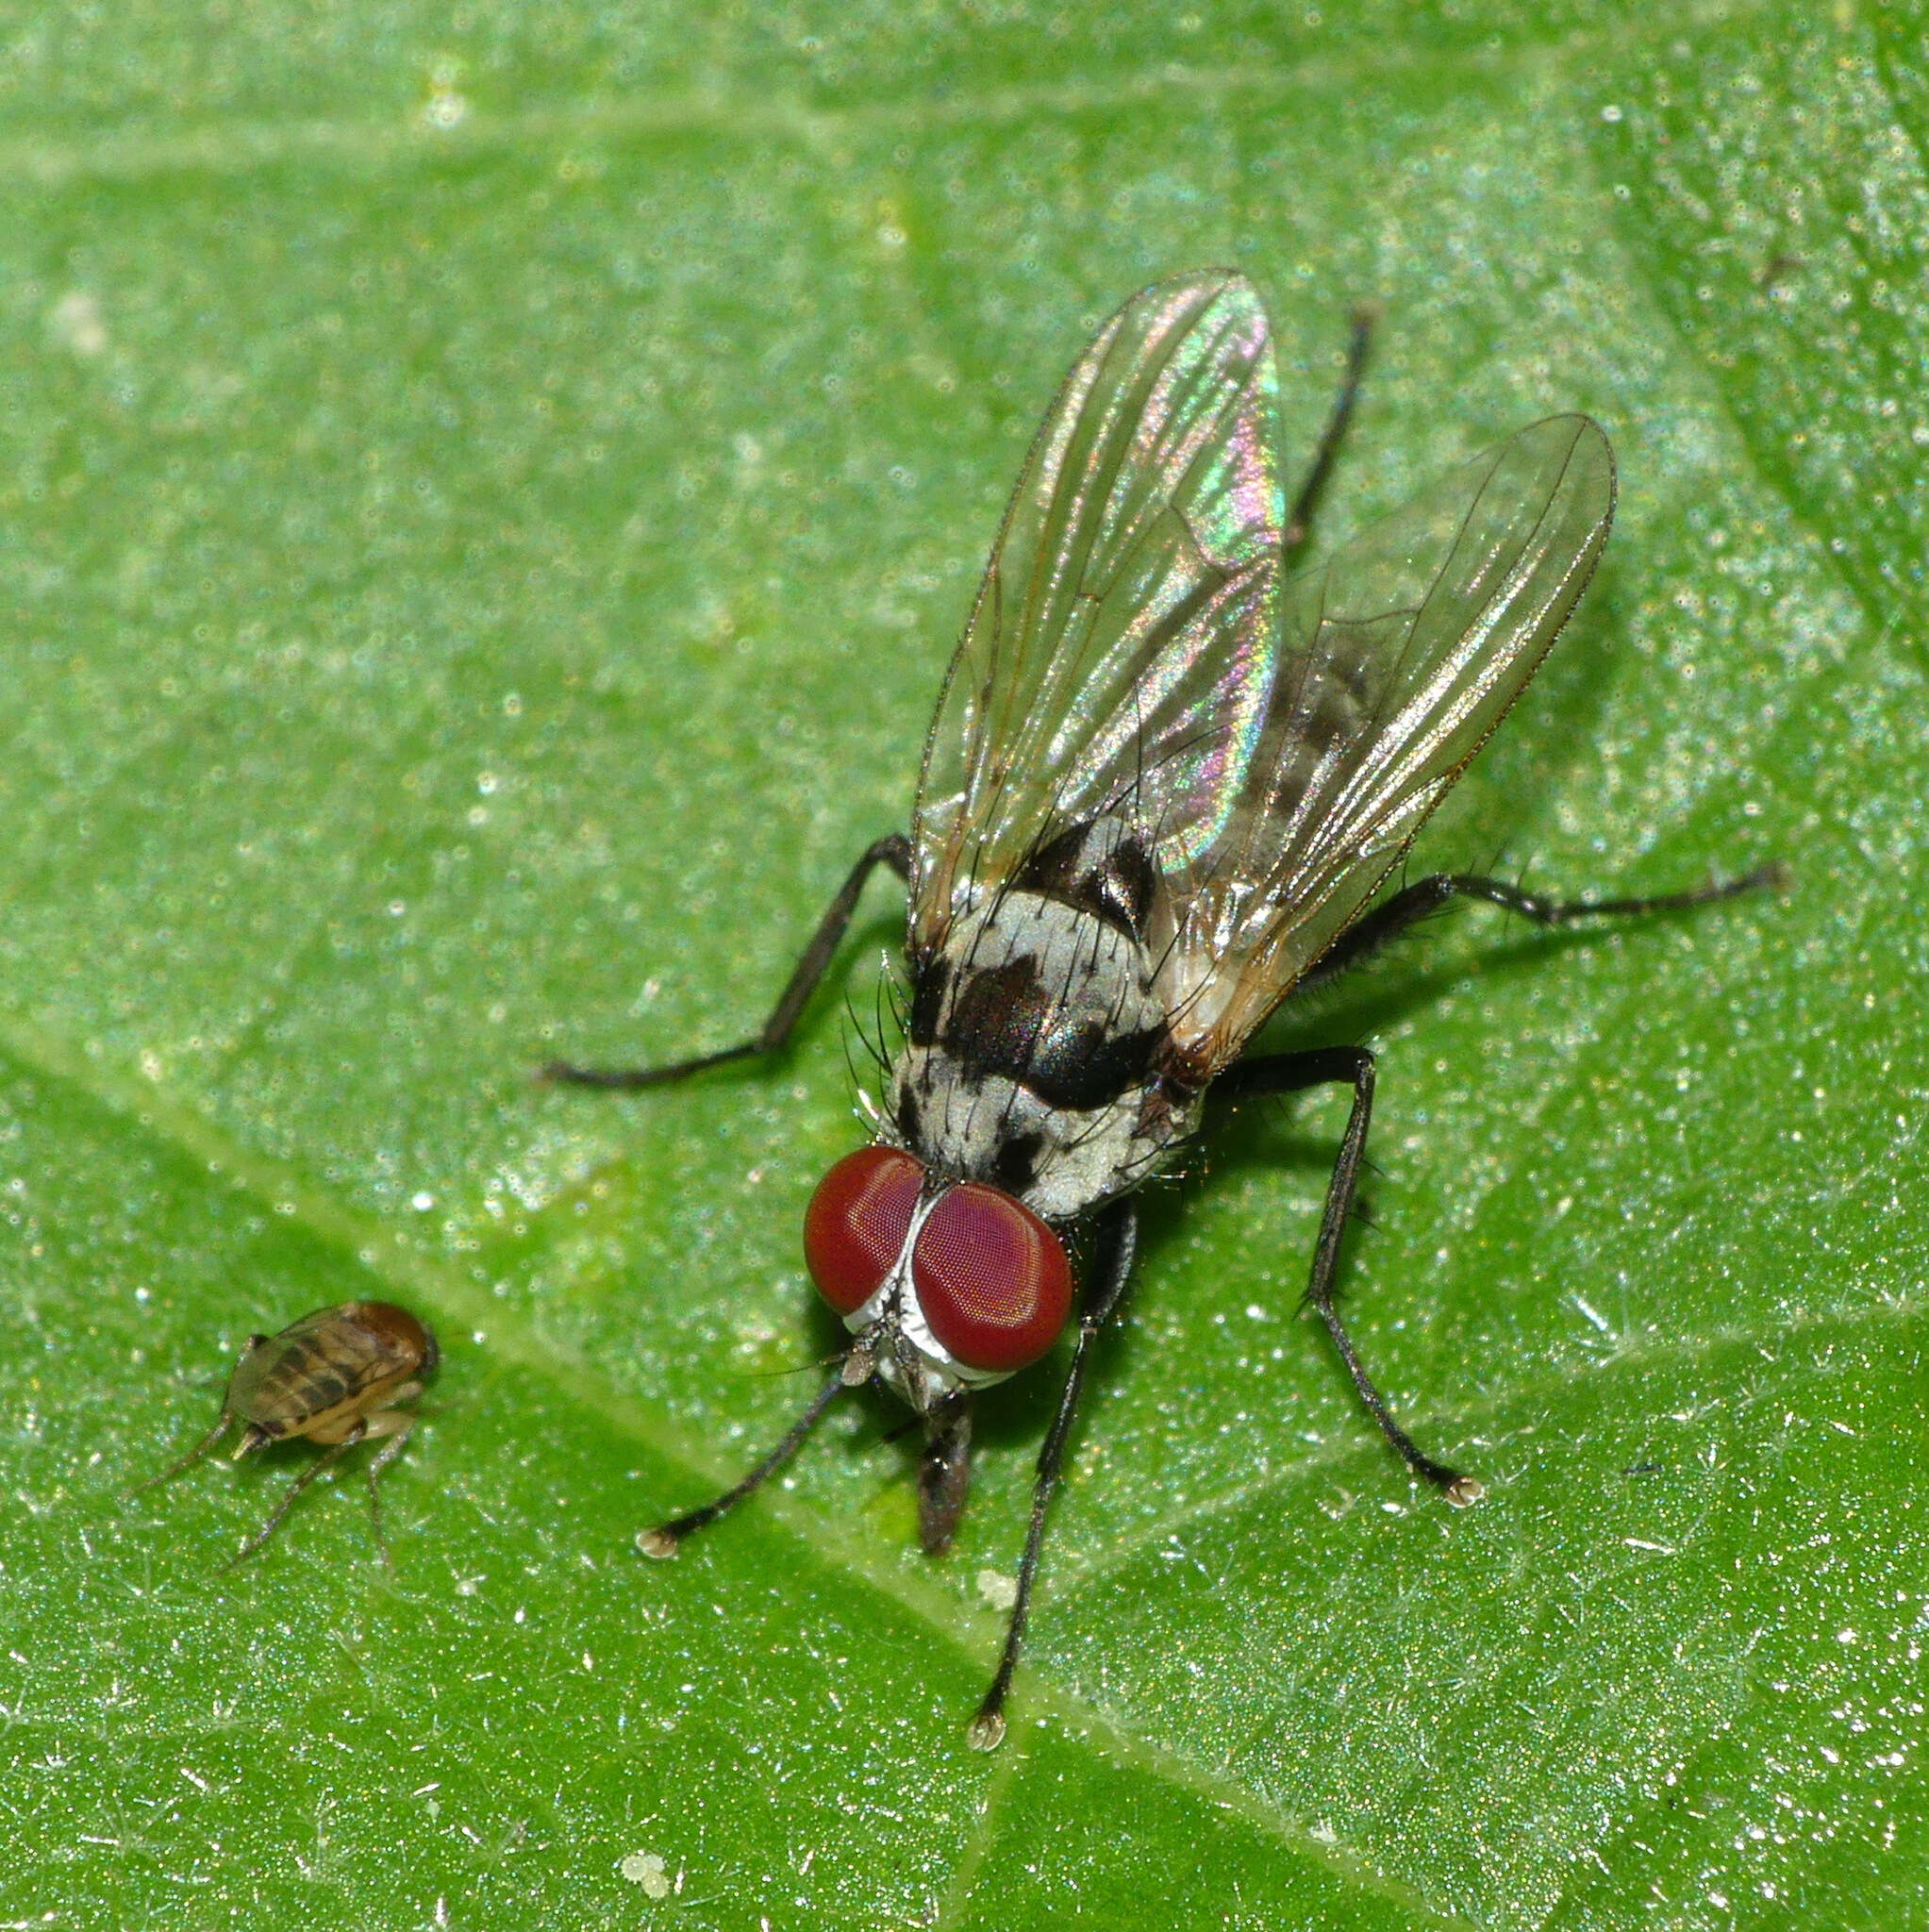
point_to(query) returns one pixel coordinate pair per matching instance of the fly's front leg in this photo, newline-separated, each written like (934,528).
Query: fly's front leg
(667,1537)
(1292,1072)
(1111,1268)
(895,852)
(944,1475)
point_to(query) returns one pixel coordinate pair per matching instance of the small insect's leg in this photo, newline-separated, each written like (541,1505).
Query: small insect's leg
(665,1540)
(1291,1073)
(394,1424)
(895,852)
(332,1453)
(191,1459)
(944,1476)
(1118,1241)
(1426,896)
(1300,521)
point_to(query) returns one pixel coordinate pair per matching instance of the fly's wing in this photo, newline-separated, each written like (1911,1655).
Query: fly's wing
(1392,664)
(1133,654)
(1130,609)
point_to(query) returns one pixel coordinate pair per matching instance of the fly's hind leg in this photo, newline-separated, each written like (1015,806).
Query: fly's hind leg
(1420,900)
(1292,1072)
(895,852)
(1299,522)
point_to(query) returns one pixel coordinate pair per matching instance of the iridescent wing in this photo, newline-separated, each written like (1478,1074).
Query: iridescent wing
(1273,749)
(1394,663)
(1131,600)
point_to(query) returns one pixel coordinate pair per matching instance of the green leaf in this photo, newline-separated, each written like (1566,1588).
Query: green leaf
(487,500)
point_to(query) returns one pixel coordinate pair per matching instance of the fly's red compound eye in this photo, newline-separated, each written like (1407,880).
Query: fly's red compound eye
(991,1278)
(855,1227)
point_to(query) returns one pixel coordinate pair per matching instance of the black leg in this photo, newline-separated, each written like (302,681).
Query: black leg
(1291,1073)
(666,1539)
(894,852)
(1426,896)
(1112,1268)
(1300,521)
(334,1453)
(944,1476)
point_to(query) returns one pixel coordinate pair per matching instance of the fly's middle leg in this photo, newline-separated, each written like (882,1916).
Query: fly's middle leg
(667,1537)
(894,852)
(1353,1066)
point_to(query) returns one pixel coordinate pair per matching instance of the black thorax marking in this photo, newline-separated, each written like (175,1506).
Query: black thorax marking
(1096,867)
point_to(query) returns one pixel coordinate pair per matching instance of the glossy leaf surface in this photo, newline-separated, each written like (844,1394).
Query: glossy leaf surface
(489,499)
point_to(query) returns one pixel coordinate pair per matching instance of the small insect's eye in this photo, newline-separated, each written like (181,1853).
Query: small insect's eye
(855,1227)
(991,1278)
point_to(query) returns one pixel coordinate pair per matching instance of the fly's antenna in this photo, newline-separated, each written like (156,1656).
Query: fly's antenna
(818,1363)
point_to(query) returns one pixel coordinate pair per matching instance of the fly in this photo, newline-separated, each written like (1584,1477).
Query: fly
(1164,785)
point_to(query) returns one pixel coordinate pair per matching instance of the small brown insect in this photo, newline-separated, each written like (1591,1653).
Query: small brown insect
(327,1377)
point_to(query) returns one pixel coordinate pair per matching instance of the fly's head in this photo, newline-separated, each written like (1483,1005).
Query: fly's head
(947,1285)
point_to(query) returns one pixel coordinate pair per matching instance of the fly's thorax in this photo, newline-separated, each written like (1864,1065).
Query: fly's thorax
(1037,1049)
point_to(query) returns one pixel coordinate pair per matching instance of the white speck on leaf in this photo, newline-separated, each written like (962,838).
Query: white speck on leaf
(648,1869)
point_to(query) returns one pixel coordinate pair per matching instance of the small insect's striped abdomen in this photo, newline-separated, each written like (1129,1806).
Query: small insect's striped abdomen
(331,1365)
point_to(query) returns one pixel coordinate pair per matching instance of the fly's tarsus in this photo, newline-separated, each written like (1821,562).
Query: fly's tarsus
(1413,905)
(1345,1066)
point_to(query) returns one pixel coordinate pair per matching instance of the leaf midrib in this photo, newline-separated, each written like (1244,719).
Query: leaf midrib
(394,1260)
(238,146)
